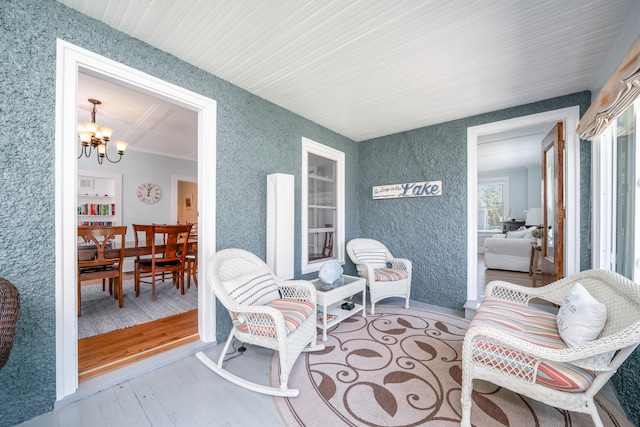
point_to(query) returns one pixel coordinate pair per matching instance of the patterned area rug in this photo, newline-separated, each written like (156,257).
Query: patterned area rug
(101,314)
(401,367)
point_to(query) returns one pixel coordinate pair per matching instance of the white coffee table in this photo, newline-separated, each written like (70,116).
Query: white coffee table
(331,300)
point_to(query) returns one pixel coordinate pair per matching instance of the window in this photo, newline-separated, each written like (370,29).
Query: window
(616,164)
(493,202)
(322,205)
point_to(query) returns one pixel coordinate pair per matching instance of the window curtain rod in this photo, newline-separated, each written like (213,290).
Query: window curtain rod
(620,91)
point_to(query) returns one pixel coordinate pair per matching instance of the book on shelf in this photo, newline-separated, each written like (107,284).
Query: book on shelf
(100,223)
(97,209)
(320,314)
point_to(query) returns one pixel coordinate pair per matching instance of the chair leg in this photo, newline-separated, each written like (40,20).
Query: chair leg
(188,269)
(137,281)
(118,289)
(153,287)
(195,271)
(465,400)
(78,294)
(597,422)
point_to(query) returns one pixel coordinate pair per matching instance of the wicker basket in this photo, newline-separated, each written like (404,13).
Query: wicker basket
(9,309)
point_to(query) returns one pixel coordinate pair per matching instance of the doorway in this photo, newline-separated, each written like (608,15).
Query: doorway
(570,116)
(184,193)
(70,61)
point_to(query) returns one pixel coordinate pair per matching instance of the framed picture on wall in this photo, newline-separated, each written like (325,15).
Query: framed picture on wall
(85,184)
(188,203)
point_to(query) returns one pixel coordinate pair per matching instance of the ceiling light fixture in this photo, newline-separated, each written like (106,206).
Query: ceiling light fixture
(92,135)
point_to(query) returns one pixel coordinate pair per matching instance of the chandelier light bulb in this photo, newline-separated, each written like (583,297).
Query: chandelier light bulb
(121,146)
(92,135)
(106,132)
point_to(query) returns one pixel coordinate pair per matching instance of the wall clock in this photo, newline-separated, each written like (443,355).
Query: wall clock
(148,192)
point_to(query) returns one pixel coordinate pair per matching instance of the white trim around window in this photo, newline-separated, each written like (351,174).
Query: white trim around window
(312,147)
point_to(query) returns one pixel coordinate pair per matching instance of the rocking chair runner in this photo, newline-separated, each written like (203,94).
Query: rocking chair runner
(519,347)
(280,315)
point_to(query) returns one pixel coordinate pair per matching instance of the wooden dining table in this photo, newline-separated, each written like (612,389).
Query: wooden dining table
(135,251)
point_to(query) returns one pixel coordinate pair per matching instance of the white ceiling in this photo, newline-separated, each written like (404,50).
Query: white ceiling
(369,68)
(512,150)
(147,123)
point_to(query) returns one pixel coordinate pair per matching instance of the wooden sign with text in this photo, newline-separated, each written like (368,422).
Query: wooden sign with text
(410,189)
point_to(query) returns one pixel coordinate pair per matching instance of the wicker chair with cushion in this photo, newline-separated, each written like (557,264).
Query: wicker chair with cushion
(562,359)
(386,275)
(9,310)
(266,312)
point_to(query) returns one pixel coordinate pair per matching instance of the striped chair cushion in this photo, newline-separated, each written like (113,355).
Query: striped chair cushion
(256,288)
(389,274)
(294,313)
(376,257)
(536,326)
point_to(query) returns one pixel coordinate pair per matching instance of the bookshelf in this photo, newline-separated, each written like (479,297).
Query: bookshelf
(99,200)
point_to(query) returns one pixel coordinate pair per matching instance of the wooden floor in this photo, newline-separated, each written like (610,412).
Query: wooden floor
(103,353)
(486,275)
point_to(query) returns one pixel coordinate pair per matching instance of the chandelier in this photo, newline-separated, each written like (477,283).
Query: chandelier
(92,135)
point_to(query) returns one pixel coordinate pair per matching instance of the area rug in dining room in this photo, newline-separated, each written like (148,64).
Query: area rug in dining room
(401,367)
(101,314)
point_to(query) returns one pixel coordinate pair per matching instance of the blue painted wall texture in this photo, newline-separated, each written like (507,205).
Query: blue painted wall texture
(255,138)
(431,231)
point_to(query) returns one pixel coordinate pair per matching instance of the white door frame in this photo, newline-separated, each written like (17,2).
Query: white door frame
(570,116)
(70,60)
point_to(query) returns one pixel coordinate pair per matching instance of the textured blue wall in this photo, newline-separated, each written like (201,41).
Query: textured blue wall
(254,138)
(432,231)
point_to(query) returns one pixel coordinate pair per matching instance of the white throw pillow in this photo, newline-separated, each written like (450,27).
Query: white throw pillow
(516,234)
(377,257)
(581,317)
(527,234)
(255,288)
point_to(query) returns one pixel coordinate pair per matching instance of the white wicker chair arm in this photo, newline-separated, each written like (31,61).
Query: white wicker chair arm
(522,294)
(365,269)
(400,264)
(259,319)
(301,290)
(567,355)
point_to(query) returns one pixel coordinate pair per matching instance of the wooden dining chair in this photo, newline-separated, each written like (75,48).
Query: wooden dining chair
(192,256)
(167,254)
(100,257)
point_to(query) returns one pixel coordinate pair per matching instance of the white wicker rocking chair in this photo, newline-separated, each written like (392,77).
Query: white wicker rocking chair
(261,324)
(501,356)
(371,259)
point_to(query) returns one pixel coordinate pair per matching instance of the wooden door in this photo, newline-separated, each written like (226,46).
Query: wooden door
(553,205)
